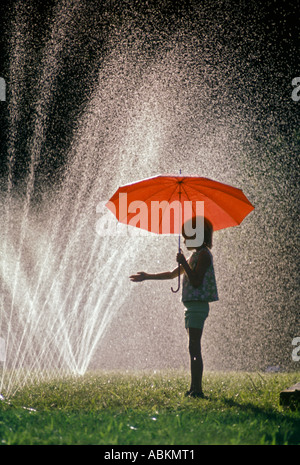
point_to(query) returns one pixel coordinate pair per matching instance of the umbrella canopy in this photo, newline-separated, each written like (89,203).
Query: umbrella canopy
(154,203)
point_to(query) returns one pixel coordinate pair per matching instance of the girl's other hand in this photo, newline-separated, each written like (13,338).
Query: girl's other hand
(180,258)
(140,276)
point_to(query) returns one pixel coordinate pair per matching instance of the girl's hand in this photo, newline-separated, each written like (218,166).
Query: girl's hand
(140,276)
(180,258)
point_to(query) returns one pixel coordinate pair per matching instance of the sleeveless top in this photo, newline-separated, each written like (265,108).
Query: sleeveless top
(207,291)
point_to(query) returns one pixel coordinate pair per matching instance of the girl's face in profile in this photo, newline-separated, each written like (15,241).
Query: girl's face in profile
(189,248)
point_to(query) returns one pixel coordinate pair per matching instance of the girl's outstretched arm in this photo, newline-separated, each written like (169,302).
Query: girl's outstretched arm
(142,276)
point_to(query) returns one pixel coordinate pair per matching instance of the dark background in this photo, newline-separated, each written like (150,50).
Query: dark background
(261,39)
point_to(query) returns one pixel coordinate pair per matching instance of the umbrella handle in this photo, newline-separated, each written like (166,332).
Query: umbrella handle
(178,281)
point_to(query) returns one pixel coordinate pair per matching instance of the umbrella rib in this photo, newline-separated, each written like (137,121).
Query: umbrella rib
(204,195)
(231,194)
(187,195)
(154,193)
(168,201)
(217,203)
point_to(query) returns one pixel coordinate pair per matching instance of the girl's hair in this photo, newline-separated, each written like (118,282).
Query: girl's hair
(208,231)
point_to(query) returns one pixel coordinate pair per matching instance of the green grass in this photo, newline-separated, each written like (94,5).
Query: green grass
(151,409)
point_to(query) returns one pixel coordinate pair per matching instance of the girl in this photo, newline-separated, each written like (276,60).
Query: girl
(198,289)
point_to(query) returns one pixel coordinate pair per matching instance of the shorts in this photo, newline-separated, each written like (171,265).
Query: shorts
(196,313)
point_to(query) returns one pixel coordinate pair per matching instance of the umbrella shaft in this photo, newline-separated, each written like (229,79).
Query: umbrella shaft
(179,216)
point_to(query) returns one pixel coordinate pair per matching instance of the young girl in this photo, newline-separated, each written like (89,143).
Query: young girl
(198,289)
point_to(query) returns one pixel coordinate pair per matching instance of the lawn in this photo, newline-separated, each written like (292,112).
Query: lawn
(118,408)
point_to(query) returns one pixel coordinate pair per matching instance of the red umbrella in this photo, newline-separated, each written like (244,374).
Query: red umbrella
(162,204)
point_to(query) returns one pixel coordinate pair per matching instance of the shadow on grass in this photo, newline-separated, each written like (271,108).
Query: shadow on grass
(287,421)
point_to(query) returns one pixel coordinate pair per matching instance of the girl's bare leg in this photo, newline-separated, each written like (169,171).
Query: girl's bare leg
(195,359)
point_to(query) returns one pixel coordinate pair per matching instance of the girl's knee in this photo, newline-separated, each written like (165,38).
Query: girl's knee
(195,342)
(194,348)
